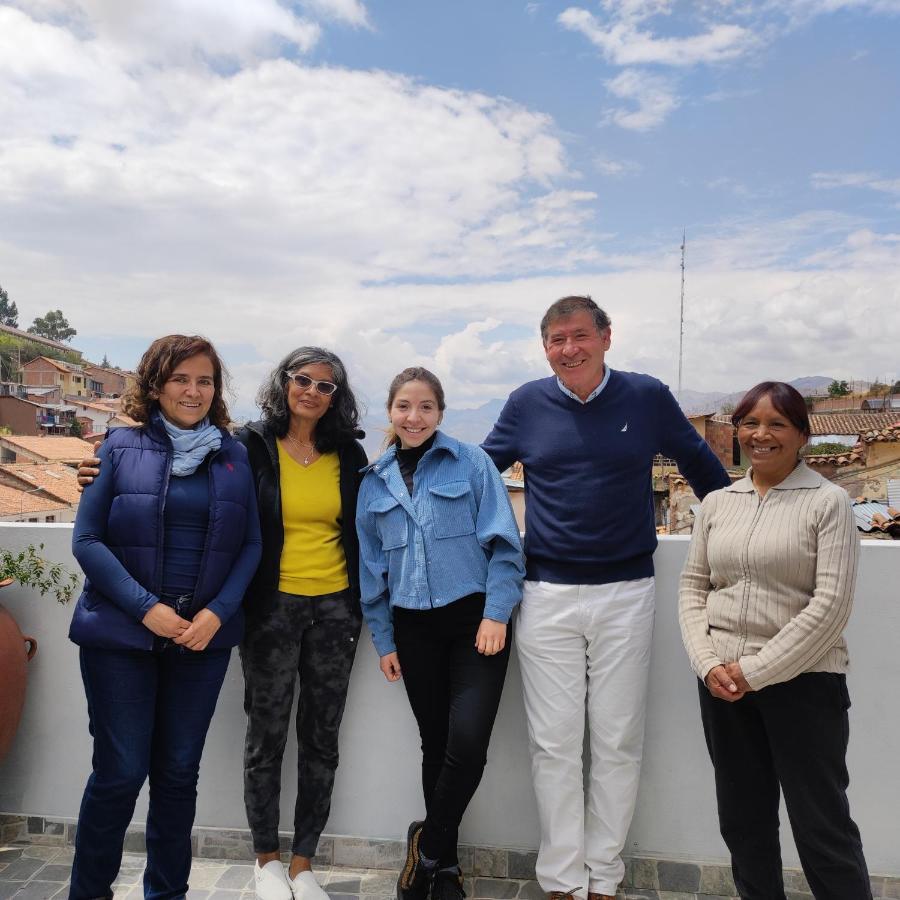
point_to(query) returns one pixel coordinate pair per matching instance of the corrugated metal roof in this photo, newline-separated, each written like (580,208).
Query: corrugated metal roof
(894,492)
(864,510)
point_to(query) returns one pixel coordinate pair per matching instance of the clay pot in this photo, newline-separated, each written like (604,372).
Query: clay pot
(15,651)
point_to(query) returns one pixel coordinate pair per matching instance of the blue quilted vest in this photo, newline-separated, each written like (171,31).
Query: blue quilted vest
(142,463)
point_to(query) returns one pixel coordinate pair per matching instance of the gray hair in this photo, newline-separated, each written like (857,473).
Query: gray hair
(339,424)
(566,306)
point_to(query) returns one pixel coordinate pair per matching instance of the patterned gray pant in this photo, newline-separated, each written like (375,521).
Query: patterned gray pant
(314,638)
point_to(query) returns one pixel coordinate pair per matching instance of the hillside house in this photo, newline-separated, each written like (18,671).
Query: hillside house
(71,379)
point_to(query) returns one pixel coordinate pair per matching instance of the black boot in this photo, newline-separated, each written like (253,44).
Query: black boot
(448,885)
(415,880)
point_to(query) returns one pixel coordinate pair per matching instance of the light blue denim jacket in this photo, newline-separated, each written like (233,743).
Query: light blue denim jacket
(455,536)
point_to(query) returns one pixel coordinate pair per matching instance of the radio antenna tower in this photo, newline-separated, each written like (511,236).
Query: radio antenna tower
(681,319)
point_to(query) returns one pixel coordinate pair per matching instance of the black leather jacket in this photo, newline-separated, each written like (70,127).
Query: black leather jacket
(259,439)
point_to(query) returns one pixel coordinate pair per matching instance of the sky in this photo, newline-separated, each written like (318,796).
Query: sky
(413,182)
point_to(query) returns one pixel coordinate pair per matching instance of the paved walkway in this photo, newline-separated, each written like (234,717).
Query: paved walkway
(36,872)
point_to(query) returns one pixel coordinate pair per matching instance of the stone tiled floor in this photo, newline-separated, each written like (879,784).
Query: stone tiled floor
(35,872)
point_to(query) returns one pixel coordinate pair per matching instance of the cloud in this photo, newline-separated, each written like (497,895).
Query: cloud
(731,185)
(653,95)
(352,12)
(324,173)
(616,168)
(869,180)
(622,43)
(270,202)
(153,31)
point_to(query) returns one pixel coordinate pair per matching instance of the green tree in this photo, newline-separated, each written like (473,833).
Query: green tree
(75,429)
(105,363)
(54,325)
(895,388)
(9,313)
(838,389)
(877,389)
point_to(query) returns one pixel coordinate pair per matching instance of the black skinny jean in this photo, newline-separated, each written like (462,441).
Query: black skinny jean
(454,692)
(793,735)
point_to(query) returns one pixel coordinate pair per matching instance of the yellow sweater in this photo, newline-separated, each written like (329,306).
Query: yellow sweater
(312,558)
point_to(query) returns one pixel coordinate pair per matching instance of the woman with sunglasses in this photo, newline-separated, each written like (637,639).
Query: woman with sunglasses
(302,606)
(303,615)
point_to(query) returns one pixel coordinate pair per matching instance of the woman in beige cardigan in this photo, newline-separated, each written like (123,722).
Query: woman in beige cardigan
(765,594)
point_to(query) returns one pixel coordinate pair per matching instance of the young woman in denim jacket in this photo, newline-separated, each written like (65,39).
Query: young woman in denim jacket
(441,571)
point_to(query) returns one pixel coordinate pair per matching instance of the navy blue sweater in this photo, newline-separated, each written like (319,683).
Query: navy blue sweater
(588,490)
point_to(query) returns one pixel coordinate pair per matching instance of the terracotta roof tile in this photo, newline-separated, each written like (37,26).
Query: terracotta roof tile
(14,502)
(851,422)
(49,448)
(55,478)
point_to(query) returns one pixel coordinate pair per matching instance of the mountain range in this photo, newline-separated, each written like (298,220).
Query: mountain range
(473,425)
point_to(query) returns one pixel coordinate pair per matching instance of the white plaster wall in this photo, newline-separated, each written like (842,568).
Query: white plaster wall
(378,792)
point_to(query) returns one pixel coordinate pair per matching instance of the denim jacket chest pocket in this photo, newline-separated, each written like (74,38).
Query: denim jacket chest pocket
(453,506)
(390,521)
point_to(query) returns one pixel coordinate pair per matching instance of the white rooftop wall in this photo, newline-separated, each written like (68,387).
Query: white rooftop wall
(378,789)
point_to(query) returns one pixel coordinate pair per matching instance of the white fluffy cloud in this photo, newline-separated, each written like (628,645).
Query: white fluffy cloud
(623,43)
(270,202)
(652,97)
(327,173)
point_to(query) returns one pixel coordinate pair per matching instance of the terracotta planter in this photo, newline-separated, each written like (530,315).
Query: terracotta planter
(15,651)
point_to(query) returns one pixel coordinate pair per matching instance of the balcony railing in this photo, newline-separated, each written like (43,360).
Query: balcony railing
(378,790)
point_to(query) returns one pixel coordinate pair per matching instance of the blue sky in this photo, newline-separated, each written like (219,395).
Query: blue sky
(414,182)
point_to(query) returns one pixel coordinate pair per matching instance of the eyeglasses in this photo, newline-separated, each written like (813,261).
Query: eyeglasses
(304,381)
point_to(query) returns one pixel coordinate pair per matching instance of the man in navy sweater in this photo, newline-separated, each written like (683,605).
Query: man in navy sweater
(586,437)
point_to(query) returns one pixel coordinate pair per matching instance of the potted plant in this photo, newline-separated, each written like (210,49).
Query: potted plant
(30,570)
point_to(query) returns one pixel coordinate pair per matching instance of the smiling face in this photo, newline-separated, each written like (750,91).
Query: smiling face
(307,405)
(770,441)
(188,393)
(414,414)
(575,351)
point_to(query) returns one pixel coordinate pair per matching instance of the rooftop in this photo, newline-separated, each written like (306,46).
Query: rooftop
(15,502)
(48,448)
(54,478)
(674,843)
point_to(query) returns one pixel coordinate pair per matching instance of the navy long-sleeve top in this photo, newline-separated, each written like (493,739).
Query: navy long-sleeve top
(110,577)
(588,490)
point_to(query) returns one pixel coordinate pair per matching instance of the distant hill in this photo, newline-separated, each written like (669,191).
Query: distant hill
(473,425)
(469,425)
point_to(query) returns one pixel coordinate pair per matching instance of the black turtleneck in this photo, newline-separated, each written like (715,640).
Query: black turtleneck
(408,460)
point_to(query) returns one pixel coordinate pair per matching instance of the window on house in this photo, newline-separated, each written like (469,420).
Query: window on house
(50,519)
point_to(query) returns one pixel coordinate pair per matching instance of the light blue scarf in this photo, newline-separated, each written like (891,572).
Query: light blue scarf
(191,444)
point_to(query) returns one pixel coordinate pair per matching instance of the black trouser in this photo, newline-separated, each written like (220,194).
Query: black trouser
(794,735)
(314,638)
(454,692)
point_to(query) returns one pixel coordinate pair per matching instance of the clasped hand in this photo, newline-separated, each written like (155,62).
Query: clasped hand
(162,620)
(727,682)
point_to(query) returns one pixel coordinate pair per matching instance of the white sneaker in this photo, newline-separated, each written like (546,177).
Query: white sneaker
(271,882)
(305,887)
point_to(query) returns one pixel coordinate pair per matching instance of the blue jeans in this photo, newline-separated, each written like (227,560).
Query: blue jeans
(149,713)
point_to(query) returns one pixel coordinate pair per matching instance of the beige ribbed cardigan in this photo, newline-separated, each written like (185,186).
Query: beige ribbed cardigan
(769,581)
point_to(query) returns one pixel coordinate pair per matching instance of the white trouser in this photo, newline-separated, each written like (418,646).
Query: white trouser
(585,645)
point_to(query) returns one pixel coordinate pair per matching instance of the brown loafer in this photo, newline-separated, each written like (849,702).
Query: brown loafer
(601,896)
(560,895)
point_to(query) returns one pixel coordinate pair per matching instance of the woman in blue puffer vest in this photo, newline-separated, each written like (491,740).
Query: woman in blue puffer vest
(168,539)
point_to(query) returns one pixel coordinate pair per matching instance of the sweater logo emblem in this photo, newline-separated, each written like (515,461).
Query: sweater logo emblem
(229,466)
(624,427)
